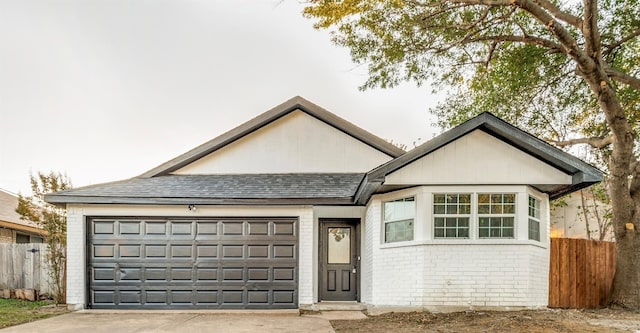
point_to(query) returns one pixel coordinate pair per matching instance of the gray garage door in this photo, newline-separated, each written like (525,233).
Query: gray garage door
(176,263)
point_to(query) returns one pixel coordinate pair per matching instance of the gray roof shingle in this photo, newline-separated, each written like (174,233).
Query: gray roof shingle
(281,188)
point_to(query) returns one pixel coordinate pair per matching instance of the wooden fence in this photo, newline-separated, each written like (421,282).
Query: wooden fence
(23,266)
(581,273)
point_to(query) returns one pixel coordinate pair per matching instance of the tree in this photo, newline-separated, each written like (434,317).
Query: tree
(53,220)
(565,70)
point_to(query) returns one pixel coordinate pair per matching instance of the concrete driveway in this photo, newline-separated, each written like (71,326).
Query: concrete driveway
(95,322)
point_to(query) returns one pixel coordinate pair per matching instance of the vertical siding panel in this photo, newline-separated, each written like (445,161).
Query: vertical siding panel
(23,269)
(581,273)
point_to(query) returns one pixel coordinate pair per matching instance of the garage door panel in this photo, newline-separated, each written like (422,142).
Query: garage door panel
(193,263)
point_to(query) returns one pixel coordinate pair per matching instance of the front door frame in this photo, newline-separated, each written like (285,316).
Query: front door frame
(355,222)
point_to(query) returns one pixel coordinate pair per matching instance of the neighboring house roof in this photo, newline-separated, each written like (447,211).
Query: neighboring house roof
(293,104)
(10,219)
(583,174)
(330,188)
(160,186)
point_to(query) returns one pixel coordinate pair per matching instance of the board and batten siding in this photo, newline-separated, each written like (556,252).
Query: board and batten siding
(296,143)
(477,158)
(76,238)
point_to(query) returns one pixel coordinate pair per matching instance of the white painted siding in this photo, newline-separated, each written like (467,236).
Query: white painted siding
(295,143)
(76,239)
(477,158)
(569,220)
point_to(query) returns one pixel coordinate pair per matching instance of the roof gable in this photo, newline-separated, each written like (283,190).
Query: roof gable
(477,158)
(296,103)
(582,174)
(294,143)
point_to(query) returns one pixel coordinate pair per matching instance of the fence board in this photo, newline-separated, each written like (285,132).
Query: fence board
(22,268)
(580,273)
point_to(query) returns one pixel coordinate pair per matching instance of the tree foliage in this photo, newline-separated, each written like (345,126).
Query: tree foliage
(53,220)
(566,70)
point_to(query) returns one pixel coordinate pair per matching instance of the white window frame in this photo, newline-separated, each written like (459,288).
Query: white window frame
(533,218)
(501,215)
(410,220)
(457,216)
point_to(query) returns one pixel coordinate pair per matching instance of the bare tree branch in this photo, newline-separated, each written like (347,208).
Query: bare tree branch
(559,14)
(568,42)
(590,29)
(532,40)
(597,142)
(623,78)
(611,47)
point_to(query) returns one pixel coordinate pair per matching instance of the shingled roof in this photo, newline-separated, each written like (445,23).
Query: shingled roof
(307,188)
(10,219)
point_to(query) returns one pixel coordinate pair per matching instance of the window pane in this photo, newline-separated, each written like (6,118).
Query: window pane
(438,209)
(507,222)
(438,198)
(509,198)
(483,233)
(483,209)
(509,209)
(452,198)
(339,245)
(483,198)
(451,232)
(496,209)
(439,233)
(496,198)
(452,209)
(450,222)
(465,209)
(398,231)
(463,222)
(507,232)
(495,222)
(484,222)
(495,232)
(463,233)
(439,222)
(534,230)
(399,210)
(465,198)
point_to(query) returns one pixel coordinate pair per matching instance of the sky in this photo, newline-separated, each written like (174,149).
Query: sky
(106,90)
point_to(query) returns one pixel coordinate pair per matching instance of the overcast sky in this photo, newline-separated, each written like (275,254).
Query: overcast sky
(106,90)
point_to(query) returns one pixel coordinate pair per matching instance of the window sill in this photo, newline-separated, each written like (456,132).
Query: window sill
(490,241)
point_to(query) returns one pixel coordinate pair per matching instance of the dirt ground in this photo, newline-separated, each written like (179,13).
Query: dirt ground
(530,321)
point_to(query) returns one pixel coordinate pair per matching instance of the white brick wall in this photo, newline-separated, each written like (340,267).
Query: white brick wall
(75,258)
(462,273)
(305,260)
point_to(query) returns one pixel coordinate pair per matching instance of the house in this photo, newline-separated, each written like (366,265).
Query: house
(298,207)
(12,228)
(571,216)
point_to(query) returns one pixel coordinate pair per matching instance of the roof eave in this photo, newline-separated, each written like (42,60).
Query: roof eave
(64,199)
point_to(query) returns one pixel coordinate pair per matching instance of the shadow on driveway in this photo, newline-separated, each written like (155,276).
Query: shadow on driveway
(174,322)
